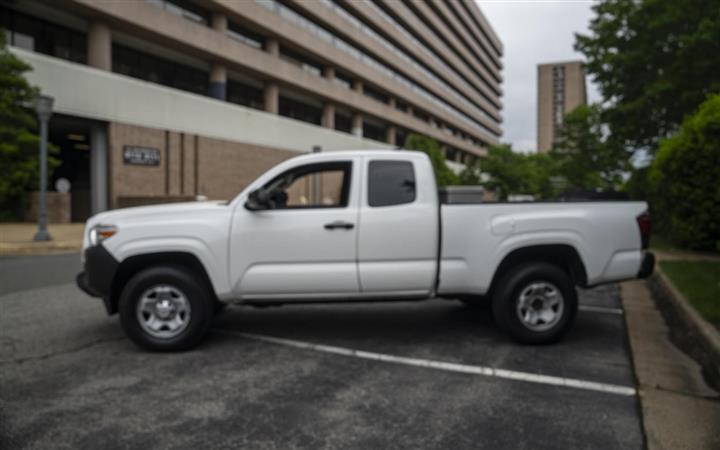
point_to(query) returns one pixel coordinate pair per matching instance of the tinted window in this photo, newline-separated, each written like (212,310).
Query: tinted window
(390,183)
(324,185)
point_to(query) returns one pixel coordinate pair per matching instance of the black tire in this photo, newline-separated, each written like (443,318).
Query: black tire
(527,279)
(198,312)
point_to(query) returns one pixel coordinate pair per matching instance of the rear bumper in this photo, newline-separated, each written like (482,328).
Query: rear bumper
(96,280)
(647,266)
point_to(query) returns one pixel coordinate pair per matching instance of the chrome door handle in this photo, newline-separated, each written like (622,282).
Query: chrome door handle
(339,224)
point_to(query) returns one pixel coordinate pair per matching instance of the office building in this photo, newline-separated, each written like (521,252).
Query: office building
(561,88)
(160,100)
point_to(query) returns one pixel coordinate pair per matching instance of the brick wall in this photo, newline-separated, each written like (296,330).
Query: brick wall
(189,165)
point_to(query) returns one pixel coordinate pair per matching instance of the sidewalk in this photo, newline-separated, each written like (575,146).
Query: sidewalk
(16,239)
(679,410)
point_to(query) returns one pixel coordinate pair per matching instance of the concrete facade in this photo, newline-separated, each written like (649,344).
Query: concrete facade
(266,78)
(561,88)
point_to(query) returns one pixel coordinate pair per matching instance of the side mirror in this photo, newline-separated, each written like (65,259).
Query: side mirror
(258,200)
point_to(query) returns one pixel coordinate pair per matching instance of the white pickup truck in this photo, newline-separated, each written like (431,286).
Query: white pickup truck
(356,226)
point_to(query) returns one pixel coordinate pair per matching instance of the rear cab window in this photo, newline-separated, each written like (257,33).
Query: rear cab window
(390,183)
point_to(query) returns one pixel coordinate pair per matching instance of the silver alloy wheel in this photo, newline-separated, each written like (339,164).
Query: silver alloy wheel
(163,311)
(540,306)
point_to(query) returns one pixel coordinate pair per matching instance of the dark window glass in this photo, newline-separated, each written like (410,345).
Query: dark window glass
(289,107)
(390,183)
(307,64)
(375,94)
(185,9)
(37,35)
(343,123)
(400,136)
(245,35)
(151,68)
(324,185)
(244,94)
(373,131)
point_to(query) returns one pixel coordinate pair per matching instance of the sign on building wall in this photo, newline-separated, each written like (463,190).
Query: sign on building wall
(141,156)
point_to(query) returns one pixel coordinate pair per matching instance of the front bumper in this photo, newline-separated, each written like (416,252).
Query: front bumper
(647,266)
(97,278)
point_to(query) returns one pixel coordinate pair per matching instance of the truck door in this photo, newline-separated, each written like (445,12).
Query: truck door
(306,243)
(399,227)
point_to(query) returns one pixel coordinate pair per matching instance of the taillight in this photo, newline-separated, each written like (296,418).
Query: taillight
(644,225)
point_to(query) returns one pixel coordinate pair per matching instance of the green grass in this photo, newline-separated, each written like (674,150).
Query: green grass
(658,242)
(699,281)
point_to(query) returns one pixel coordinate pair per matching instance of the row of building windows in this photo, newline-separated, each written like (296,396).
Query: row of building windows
(327,36)
(412,61)
(406,32)
(136,64)
(191,11)
(40,36)
(44,37)
(460,55)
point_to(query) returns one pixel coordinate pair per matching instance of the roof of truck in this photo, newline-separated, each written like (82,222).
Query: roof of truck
(355,153)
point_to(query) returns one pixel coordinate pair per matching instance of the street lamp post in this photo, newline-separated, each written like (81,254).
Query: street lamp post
(43,107)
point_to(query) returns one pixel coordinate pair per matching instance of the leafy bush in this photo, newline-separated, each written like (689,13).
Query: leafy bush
(685,181)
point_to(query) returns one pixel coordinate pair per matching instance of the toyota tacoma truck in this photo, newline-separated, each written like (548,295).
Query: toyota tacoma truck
(356,226)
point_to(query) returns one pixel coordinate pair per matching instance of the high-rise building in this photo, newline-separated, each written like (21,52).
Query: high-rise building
(157,100)
(561,88)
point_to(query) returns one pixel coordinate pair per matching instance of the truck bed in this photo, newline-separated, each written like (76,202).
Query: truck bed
(476,237)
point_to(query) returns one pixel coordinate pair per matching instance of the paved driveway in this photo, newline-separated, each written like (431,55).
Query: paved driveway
(401,375)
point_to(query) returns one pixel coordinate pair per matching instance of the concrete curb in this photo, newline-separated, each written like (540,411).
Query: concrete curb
(39,248)
(692,333)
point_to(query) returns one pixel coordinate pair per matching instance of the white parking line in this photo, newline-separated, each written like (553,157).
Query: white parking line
(451,367)
(601,309)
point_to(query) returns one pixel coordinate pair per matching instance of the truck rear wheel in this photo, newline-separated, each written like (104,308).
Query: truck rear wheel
(165,308)
(535,303)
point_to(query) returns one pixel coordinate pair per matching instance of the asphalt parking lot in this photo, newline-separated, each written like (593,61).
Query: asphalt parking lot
(396,375)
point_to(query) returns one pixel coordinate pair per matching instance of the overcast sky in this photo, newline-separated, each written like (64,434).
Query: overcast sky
(532,32)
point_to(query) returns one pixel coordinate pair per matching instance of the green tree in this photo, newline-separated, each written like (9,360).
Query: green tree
(444,175)
(471,175)
(18,141)
(509,172)
(543,167)
(685,181)
(584,155)
(655,61)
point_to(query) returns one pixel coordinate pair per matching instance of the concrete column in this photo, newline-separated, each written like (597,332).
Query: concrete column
(357,118)
(272,96)
(98,168)
(328,116)
(329,73)
(272,92)
(217,88)
(272,46)
(99,46)
(391,102)
(390,134)
(357,124)
(219,22)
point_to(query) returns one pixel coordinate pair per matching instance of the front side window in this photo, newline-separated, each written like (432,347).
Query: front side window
(390,183)
(324,185)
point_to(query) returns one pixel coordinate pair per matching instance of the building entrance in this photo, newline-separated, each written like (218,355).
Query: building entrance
(72,136)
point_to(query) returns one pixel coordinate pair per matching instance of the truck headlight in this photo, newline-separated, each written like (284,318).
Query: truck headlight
(99,233)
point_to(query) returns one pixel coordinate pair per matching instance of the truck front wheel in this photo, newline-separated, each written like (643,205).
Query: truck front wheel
(535,303)
(165,308)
